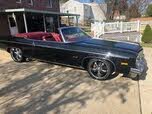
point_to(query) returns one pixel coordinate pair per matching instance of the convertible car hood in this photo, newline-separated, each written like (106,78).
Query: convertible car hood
(98,43)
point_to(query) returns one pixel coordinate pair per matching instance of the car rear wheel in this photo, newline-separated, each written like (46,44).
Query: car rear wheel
(99,69)
(16,54)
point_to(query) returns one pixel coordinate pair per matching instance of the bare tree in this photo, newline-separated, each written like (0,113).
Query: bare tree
(131,8)
(141,4)
(111,7)
(133,11)
(63,1)
(123,6)
(137,8)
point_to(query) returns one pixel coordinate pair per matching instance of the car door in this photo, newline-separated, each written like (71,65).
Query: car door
(65,54)
(57,52)
(47,50)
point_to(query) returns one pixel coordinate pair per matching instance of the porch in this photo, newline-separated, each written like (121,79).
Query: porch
(28,20)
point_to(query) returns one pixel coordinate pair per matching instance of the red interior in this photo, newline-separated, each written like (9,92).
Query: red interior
(45,36)
(56,36)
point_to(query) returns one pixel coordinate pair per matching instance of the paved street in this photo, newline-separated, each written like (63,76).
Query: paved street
(40,88)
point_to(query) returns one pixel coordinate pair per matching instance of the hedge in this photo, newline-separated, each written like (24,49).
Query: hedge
(147,35)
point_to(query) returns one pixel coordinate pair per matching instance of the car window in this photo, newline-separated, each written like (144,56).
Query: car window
(73,33)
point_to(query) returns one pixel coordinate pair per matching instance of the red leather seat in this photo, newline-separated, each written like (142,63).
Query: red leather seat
(33,35)
(41,36)
(56,36)
(48,38)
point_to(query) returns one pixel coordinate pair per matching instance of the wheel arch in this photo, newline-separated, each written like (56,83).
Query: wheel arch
(8,48)
(87,59)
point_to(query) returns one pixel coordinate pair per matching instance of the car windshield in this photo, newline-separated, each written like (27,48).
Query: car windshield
(74,34)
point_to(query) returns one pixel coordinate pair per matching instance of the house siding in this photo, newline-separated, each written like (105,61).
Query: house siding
(88,11)
(37,5)
(12,4)
(4,26)
(74,7)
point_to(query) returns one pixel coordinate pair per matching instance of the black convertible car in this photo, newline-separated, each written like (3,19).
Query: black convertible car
(71,46)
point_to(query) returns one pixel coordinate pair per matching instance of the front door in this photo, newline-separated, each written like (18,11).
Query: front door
(50,24)
(12,25)
(56,52)
(45,51)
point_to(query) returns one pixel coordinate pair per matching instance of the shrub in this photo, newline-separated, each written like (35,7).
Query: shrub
(147,35)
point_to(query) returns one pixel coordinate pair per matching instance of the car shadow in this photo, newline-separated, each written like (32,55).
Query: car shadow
(39,88)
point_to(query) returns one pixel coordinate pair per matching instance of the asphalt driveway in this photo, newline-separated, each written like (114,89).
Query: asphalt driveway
(41,88)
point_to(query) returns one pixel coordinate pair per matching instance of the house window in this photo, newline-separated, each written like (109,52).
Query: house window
(18,1)
(50,3)
(30,2)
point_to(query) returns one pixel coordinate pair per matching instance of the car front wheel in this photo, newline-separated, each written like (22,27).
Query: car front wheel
(99,69)
(17,54)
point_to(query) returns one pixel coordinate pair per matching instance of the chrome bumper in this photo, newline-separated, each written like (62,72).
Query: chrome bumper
(135,72)
(139,70)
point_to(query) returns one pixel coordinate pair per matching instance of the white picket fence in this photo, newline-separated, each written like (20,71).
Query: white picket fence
(100,28)
(132,38)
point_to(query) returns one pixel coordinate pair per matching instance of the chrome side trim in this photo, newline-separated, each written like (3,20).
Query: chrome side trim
(44,46)
(16,42)
(103,54)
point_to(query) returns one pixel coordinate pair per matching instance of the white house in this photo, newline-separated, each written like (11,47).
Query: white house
(88,11)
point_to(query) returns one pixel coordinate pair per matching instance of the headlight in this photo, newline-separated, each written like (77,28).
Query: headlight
(141,54)
(140,61)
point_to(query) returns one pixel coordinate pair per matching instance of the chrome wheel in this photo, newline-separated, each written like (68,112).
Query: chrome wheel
(16,54)
(99,69)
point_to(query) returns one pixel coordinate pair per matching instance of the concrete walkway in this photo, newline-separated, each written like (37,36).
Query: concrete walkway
(145,85)
(39,88)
